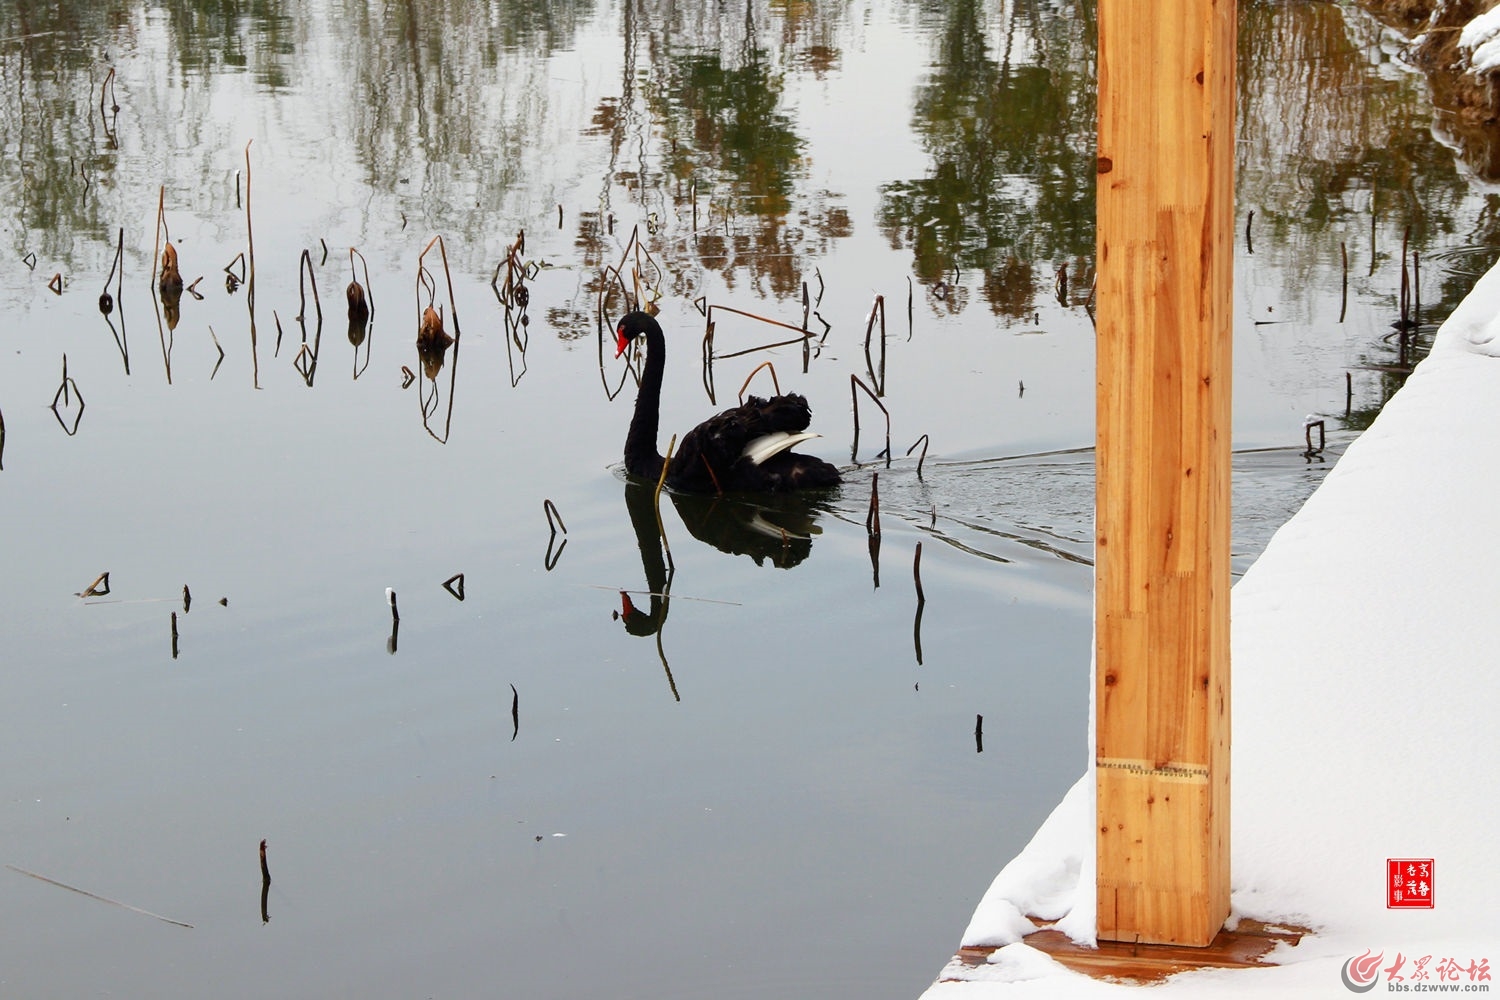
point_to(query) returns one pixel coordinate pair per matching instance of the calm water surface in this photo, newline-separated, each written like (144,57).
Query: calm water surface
(767,783)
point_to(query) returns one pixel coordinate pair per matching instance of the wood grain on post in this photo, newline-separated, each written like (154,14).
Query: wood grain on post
(1165,258)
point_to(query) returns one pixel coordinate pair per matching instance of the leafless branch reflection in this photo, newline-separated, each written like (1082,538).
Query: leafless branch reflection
(514,297)
(218,347)
(107,302)
(554,522)
(455,585)
(433,340)
(876,377)
(361,312)
(108,118)
(265,886)
(916,628)
(711,354)
(390,643)
(66,391)
(250,280)
(641,292)
(306,361)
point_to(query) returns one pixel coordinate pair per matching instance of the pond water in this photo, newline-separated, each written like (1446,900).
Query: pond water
(787,777)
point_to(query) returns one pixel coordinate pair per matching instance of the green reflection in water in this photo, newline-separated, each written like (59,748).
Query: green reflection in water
(444,112)
(1010,134)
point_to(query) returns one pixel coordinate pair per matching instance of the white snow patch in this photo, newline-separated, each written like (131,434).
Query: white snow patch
(1481,39)
(1365,687)
(1043,879)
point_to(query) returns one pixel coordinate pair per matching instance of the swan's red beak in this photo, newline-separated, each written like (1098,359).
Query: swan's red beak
(627,608)
(621,341)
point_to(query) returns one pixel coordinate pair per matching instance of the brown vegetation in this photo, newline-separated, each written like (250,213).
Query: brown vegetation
(1470,103)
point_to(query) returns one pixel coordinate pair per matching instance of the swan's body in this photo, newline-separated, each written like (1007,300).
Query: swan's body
(746,448)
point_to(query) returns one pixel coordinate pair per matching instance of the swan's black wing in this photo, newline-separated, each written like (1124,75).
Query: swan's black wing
(707,452)
(711,457)
(783,473)
(789,413)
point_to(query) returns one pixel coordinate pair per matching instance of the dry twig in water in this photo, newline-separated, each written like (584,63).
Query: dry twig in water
(102,899)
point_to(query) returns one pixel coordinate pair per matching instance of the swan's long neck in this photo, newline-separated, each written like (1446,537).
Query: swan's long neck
(641,456)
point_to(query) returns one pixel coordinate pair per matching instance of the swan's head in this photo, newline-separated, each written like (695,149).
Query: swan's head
(631,326)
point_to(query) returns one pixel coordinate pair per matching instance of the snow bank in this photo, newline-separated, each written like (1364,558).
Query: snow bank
(1365,687)
(1480,38)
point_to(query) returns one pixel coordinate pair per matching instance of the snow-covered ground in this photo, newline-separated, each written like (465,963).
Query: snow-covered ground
(1366,682)
(1481,40)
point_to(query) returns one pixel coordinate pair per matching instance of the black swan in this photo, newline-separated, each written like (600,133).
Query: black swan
(744,449)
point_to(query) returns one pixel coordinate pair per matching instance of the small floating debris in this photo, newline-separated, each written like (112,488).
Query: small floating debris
(390,598)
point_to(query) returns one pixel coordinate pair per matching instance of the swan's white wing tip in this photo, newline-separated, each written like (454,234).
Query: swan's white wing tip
(775,443)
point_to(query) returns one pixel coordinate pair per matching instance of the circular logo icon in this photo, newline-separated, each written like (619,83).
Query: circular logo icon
(1360,974)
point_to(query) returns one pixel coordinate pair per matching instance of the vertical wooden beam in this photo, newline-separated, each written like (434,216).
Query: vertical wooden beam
(1164,259)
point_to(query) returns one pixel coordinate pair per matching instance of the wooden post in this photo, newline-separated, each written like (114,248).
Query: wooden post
(1165,258)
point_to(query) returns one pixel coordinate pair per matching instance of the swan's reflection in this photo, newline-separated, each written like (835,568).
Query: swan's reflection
(639,504)
(778,529)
